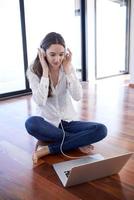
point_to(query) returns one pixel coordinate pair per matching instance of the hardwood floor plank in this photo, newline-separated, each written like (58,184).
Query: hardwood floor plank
(15,153)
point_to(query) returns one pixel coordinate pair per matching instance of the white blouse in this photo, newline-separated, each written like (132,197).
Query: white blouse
(59,106)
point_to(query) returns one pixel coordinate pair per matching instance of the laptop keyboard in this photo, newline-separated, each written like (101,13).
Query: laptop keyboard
(67,173)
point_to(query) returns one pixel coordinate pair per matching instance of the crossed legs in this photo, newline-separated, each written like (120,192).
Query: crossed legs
(77,135)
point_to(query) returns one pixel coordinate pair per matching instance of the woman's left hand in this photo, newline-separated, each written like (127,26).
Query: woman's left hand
(67,62)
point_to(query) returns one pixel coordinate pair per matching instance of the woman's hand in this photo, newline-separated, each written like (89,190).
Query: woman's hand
(41,54)
(67,62)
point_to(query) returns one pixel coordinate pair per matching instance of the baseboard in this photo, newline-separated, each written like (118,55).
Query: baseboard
(131,85)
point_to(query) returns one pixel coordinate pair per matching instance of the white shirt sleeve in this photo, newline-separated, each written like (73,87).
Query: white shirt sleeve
(39,87)
(74,86)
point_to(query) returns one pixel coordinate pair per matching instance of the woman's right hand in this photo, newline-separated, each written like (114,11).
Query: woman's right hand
(41,54)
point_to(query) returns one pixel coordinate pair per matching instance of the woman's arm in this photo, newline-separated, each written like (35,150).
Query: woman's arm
(74,86)
(39,87)
(73,83)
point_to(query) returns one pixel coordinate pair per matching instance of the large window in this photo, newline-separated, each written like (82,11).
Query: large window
(43,16)
(11,54)
(111,20)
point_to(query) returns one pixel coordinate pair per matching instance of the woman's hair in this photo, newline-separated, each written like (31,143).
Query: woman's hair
(50,38)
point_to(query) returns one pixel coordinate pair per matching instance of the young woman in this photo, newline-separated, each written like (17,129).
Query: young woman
(54,84)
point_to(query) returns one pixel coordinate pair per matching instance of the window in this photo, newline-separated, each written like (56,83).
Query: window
(62,16)
(11,63)
(111,19)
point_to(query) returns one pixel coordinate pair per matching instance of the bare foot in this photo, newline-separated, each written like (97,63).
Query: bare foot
(87,149)
(40,152)
(40,143)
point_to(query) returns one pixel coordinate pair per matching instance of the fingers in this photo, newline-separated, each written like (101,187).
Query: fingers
(41,53)
(69,51)
(69,54)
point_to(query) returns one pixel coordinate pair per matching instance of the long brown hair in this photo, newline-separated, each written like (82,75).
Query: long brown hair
(50,38)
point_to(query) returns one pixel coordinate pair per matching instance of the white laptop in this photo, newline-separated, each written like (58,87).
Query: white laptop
(88,168)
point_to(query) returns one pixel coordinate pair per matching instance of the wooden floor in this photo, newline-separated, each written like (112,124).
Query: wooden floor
(109,101)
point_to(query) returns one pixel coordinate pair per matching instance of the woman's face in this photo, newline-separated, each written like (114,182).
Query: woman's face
(55,55)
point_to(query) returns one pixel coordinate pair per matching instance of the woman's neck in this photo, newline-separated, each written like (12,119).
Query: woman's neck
(54,74)
(53,70)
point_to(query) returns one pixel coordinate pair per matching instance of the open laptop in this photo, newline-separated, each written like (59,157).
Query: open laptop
(89,168)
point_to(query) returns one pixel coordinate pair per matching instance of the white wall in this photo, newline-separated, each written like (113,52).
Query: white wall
(131,61)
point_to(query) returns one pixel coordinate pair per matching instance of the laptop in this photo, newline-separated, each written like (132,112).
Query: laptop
(88,168)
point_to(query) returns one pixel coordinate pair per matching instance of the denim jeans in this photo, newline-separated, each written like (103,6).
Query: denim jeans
(77,133)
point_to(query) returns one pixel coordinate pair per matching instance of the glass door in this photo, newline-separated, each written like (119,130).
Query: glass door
(111,18)
(12,76)
(63,16)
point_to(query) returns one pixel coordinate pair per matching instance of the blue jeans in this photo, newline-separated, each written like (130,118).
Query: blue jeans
(78,133)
